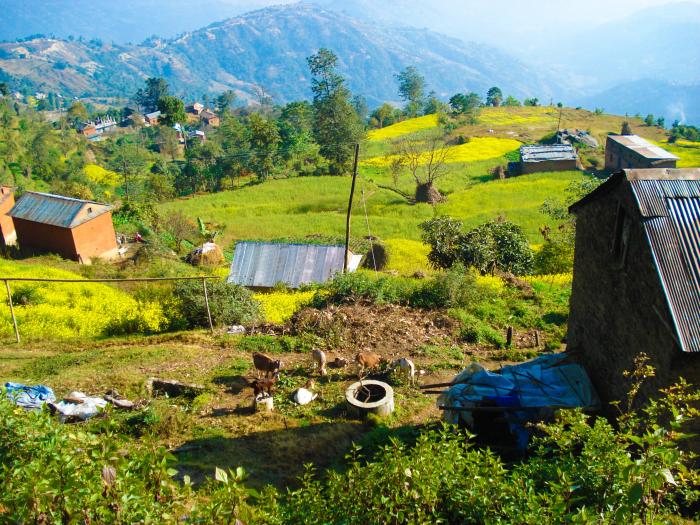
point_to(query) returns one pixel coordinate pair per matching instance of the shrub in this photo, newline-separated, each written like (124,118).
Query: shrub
(229,303)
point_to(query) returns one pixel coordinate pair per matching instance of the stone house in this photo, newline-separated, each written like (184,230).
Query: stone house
(634,152)
(636,284)
(73,228)
(555,157)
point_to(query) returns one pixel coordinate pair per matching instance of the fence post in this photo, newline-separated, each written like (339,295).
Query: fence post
(12,309)
(206,302)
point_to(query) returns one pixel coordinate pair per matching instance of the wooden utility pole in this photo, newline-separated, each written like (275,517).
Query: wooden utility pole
(346,261)
(12,309)
(206,302)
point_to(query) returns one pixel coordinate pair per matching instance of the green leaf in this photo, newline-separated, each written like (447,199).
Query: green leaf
(668,476)
(220,475)
(635,494)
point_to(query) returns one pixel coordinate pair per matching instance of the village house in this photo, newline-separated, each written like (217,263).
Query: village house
(210,118)
(151,119)
(8,236)
(636,284)
(554,157)
(633,152)
(73,228)
(266,264)
(195,108)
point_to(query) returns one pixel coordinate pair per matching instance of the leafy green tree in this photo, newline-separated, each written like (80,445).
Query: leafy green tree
(147,97)
(225,102)
(4,89)
(229,304)
(337,127)
(496,245)
(411,89)
(434,105)
(172,110)
(533,102)
(359,104)
(494,97)
(264,142)
(77,113)
(649,120)
(384,115)
(443,234)
(511,101)
(129,160)
(168,143)
(661,122)
(626,129)
(462,104)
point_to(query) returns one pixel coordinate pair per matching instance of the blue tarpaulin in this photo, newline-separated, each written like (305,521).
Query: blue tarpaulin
(29,396)
(538,386)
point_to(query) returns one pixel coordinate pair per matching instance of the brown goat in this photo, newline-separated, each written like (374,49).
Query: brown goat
(263,386)
(264,364)
(367,361)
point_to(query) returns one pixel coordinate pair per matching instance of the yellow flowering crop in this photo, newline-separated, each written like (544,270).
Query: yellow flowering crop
(68,310)
(478,148)
(407,256)
(561,279)
(510,116)
(279,307)
(99,175)
(687,151)
(403,128)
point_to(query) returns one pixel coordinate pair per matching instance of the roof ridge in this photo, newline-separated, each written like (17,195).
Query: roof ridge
(64,197)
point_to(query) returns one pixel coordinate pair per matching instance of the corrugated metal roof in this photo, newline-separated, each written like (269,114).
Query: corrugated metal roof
(548,152)
(264,265)
(643,147)
(56,210)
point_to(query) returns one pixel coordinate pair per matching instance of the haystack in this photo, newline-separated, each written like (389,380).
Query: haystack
(208,253)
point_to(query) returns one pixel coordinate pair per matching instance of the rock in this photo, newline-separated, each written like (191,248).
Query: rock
(124,404)
(236,329)
(173,388)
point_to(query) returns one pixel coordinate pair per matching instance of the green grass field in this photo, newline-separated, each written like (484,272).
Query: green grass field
(687,151)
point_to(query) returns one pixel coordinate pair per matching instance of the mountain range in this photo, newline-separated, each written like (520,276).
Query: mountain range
(610,65)
(268,48)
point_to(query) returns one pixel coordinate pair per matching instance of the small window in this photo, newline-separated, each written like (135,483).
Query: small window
(621,237)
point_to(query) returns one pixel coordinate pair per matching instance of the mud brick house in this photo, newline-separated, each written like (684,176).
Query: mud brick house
(73,228)
(555,157)
(636,285)
(8,236)
(210,118)
(633,152)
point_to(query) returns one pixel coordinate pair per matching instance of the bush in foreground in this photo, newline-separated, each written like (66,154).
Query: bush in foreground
(229,303)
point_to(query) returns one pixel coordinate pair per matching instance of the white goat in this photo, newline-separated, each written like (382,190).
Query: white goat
(406,367)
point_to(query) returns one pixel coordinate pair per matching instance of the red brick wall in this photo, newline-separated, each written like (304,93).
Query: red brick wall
(45,238)
(7,227)
(95,238)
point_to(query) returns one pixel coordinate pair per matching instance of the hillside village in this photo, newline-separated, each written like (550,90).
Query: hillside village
(214,293)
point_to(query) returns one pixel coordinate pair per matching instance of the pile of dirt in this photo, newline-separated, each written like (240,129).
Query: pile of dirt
(385,329)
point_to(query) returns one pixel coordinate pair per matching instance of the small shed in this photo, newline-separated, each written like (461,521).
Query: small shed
(153,118)
(554,157)
(634,152)
(210,118)
(73,228)
(195,108)
(7,226)
(264,265)
(636,284)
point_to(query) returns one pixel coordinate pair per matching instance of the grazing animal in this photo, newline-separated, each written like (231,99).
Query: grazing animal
(367,361)
(263,386)
(338,362)
(264,364)
(406,367)
(304,395)
(319,359)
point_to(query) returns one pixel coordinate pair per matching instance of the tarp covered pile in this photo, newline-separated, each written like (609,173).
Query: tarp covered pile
(539,387)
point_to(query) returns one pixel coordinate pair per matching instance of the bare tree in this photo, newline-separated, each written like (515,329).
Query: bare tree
(426,161)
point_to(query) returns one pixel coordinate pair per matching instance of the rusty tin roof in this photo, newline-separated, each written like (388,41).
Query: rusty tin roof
(643,147)
(260,264)
(56,210)
(669,205)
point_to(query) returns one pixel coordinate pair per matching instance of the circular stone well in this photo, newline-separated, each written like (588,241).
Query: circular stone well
(370,397)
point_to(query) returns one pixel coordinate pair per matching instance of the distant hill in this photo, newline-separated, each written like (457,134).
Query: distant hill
(673,101)
(269,47)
